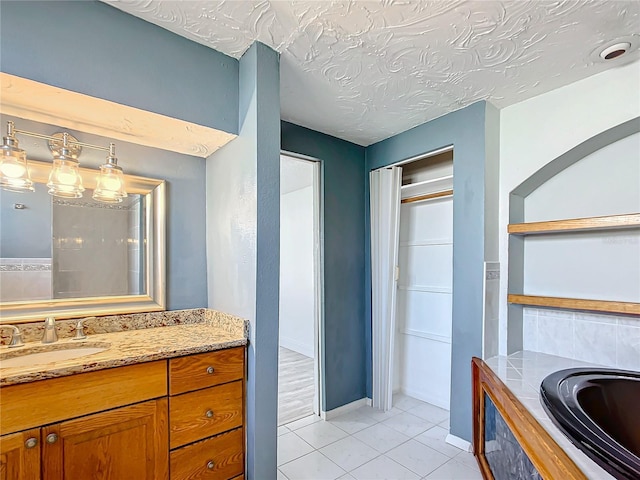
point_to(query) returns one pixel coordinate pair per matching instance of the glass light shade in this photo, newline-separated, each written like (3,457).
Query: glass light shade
(65,180)
(110,187)
(14,174)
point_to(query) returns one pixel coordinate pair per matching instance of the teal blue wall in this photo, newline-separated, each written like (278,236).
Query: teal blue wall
(25,233)
(185,177)
(260,83)
(243,244)
(465,130)
(95,49)
(112,55)
(345,324)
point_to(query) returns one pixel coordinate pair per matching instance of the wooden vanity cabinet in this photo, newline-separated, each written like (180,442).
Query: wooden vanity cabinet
(206,406)
(127,442)
(123,423)
(20,455)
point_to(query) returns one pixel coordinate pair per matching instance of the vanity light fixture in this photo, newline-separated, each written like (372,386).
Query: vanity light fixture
(110,188)
(64,180)
(14,174)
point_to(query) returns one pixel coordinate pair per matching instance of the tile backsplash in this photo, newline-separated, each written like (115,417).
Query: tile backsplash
(609,340)
(25,279)
(32,331)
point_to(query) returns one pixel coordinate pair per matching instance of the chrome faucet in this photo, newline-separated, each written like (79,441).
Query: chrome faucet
(50,335)
(80,335)
(16,336)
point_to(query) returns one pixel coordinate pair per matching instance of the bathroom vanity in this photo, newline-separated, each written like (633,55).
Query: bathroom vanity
(158,403)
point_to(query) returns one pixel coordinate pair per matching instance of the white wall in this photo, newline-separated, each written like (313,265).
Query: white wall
(536,131)
(232,227)
(296,269)
(593,265)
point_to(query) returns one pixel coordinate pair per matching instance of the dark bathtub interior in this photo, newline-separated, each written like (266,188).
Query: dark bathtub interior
(614,406)
(599,410)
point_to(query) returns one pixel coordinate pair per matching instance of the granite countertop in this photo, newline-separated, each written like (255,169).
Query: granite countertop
(523,372)
(132,343)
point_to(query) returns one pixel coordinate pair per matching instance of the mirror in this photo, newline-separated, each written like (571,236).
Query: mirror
(76,257)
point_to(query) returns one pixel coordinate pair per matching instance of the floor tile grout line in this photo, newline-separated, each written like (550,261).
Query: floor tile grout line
(433,425)
(309,453)
(379,454)
(310,446)
(282,473)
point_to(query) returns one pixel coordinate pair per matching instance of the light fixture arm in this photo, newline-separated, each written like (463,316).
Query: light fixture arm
(11,131)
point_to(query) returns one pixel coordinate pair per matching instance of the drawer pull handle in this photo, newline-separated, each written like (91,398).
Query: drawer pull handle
(209,413)
(52,438)
(31,442)
(210,465)
(210,370)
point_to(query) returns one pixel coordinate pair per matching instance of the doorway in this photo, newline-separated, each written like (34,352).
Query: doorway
(419,319)
(422,360)
(300,289)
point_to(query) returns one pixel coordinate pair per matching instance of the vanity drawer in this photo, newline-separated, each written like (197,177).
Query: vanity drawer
(205,370)
(220,457)
(201,414)
(29,405)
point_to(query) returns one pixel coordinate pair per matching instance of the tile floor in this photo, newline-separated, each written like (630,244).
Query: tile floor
(406,442)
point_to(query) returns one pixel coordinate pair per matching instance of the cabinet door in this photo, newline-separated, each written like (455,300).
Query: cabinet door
(20,455)
(120,444)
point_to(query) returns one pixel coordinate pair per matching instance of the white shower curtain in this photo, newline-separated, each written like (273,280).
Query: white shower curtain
(385,224)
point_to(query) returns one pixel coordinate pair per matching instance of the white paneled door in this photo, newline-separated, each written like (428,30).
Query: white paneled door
(422,363)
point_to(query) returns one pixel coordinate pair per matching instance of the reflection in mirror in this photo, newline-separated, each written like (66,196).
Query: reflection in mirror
(71,257)
(69,248)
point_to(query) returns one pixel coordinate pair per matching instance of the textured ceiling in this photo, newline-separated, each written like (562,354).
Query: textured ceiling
(366,70)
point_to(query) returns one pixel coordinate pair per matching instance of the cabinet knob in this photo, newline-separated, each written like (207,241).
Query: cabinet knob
(52,438)
(210,465)
(31,442)
(210,370)
(209,413)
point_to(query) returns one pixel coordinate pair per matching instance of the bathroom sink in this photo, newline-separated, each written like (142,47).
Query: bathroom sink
(50,353)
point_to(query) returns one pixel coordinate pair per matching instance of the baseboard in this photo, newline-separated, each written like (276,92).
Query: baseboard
(419,395)
(299,347)
(458,442)
(349,407)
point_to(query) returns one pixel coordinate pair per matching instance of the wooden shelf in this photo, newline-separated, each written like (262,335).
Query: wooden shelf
(631,220)
(429,196)
(628,308)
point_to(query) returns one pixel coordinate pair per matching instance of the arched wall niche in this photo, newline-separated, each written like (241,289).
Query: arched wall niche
(517,197)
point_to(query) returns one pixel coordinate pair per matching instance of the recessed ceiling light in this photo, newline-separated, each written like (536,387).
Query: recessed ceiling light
(614,51)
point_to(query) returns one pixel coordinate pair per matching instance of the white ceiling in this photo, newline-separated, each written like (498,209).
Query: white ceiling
(366,70)
(295,174)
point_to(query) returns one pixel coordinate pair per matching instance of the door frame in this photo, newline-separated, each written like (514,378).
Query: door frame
(318,282)
(415,158)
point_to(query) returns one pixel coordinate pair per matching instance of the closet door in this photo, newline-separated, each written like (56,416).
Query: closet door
(424,316)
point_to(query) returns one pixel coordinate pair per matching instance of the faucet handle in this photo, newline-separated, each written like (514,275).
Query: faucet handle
(80,335)
(16,336)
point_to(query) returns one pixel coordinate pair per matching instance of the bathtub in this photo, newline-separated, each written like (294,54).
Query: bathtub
(599,410)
